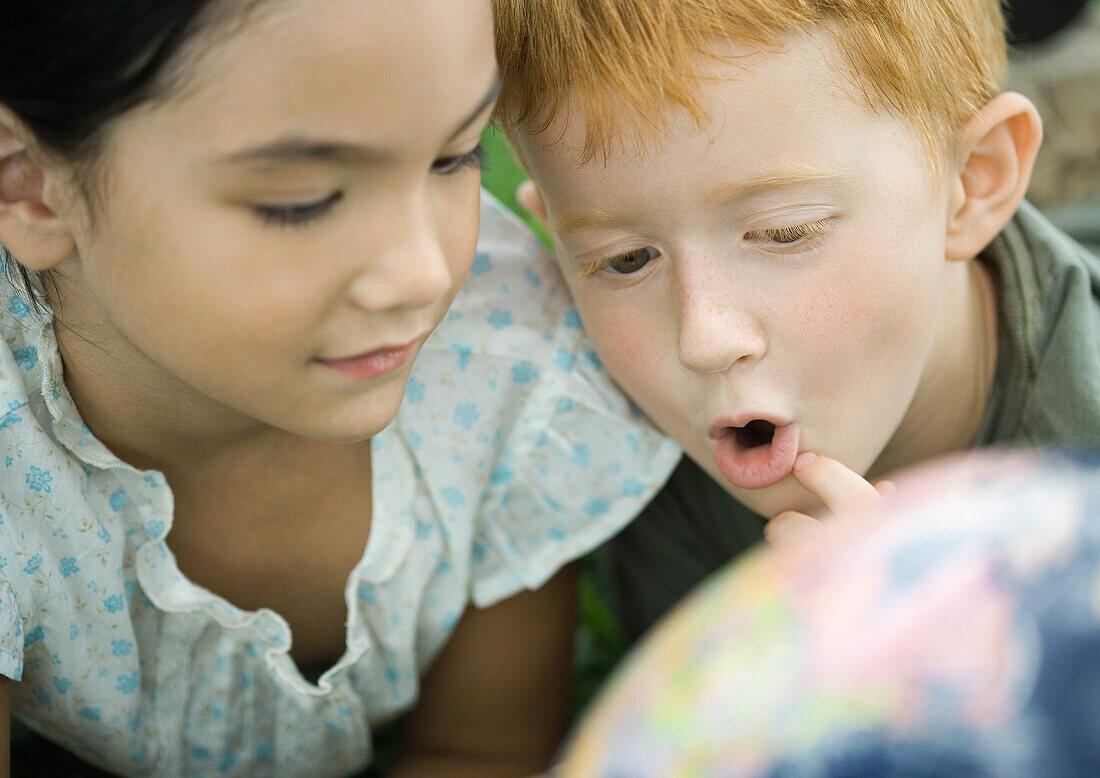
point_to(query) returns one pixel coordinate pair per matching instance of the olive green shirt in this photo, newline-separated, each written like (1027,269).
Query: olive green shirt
(1046,391)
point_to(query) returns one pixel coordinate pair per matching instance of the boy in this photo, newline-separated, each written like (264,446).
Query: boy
(794,230)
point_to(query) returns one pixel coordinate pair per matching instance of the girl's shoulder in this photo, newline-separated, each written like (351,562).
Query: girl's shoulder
(513,425)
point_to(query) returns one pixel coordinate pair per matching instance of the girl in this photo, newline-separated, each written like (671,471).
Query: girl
(238,223)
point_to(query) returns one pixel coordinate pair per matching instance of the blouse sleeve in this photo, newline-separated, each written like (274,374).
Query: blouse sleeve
(578,466)
(554,460)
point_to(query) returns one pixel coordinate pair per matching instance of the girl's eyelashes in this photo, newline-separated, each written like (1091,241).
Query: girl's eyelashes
(296,214)
(795,236)
(473,159)
(623,264)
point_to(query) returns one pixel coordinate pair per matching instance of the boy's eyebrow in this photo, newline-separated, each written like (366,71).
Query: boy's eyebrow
(295,149)
(766,180)
(763,181)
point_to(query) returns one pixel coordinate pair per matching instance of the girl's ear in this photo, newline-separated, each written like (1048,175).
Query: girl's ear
(997,152)
(29,228)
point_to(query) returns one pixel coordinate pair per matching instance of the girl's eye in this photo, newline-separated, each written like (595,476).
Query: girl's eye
(473,159)
(297,214)
(624,264)
(787,236)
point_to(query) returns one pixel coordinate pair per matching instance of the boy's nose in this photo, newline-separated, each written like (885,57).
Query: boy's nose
(716,330)
(405,267)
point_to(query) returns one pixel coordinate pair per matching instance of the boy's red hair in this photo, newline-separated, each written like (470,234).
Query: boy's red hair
(934,62)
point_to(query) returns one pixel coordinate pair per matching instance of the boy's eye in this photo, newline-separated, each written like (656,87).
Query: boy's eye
(786,236)
(296,214)
(473,159)
(624,264)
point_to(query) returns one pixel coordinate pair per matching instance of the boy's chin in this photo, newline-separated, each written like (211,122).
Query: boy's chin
(769,501)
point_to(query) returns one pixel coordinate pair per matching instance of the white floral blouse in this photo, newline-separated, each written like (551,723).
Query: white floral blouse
(511,455)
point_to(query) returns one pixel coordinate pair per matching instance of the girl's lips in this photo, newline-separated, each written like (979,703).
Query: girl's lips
(372,364)
(758,466)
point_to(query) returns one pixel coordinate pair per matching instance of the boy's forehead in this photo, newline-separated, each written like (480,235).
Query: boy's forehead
(735,85)
(810,65)
(775,120)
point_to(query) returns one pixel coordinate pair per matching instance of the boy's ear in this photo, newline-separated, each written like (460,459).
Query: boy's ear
(997,150)
(530,198)
(29,228)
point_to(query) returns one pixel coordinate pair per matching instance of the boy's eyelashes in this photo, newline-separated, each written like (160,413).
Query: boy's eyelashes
(798,237)
(789,239)
(298,214)
(622,264)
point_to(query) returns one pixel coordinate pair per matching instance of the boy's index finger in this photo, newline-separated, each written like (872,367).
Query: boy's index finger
(841,489)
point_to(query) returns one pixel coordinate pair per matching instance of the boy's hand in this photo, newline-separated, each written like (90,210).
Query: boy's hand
(842,490)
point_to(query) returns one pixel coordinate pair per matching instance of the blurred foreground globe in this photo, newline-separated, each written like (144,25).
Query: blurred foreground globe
(954,632)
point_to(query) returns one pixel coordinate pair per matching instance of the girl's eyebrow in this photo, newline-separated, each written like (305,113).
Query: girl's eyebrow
(295,149)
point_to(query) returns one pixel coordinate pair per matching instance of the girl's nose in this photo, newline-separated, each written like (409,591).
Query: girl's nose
(406,266)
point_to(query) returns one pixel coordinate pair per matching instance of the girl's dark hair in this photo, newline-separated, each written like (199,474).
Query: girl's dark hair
(68,67)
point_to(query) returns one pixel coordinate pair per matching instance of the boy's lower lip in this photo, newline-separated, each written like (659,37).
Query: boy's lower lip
(761,466)
(371,364)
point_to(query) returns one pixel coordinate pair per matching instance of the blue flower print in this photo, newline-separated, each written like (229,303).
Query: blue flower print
(62,685)
(563,360)
(39,480)
(414,391)
(466,415)
(632,487)
(500,318)
(33,564)
(531,276)
(117,500)
(121,647)
(26,358)
(452,496)
(227,763)
(91,714)
(596,507)
(68,566)
(18,306)
(265,751)
(33,637)
(10,419)
(501,476)
(594,359)
(582,455)
(43,698)
(482,264)
(480,552)
(127,683)
(113,604)
(463,353)
(368,595)
(524,373)
(572,319)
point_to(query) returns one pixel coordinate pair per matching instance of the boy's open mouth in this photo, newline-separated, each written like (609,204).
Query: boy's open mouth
(757,432)
(758,454)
